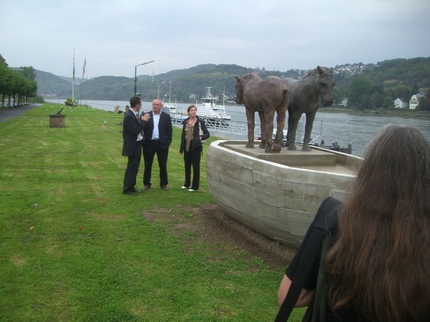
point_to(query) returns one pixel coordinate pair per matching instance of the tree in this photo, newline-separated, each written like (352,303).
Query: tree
(403,92)
(16,84)
(388,101)
(359,91)
(337,95)
(424,102)
(376,100)
(4,75)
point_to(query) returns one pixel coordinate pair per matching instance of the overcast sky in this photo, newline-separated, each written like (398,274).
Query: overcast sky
(115,35)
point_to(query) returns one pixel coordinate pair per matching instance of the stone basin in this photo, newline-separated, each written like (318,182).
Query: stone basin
(277,194)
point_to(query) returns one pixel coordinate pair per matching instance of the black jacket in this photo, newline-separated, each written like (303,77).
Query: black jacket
(196,138)
(132,126)
(164,130)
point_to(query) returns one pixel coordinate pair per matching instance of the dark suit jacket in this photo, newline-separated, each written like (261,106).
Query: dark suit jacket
(164,130)
(131,128)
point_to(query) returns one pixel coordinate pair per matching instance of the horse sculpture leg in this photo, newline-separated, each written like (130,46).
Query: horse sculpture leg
(263,126)
(250,118)
(308,130)
(280,120)
(269,114)
(293,121)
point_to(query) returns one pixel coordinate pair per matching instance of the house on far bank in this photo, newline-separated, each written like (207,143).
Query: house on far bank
(398,103)
(344,102)
(413,102)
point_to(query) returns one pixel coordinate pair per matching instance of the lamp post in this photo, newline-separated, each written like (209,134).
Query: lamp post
(135,74)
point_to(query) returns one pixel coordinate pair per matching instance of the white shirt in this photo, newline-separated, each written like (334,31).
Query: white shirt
(139,136)
(155,133)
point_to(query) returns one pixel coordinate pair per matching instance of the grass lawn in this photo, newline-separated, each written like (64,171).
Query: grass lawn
(74,248)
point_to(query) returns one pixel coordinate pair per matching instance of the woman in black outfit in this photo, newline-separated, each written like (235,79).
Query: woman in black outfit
(378,266)
(193,132)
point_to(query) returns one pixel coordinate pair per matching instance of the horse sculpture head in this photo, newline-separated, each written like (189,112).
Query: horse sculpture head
(240,82)
(315,86)
(239,91)
(325,82)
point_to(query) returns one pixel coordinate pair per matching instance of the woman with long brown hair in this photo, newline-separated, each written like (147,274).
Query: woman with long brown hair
(378,268)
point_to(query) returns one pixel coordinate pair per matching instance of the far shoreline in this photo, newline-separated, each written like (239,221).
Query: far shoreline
(417,114)
(405,113)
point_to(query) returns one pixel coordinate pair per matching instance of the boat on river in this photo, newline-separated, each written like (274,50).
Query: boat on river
(209,109)
(170,107)
(277,194)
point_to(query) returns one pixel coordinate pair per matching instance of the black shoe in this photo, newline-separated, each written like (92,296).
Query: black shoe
(135,190)
(165,187)
(130,193)
(146,187)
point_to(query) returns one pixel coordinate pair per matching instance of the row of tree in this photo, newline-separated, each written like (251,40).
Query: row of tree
(378,85)
(363,93)
(16,85)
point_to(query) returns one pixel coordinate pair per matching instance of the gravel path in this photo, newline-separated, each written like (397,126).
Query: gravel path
(8,113)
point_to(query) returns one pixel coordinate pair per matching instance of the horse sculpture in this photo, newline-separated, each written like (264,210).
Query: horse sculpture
(265,97)
(304,99)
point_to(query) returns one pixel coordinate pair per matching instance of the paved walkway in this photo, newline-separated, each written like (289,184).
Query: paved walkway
(8,113)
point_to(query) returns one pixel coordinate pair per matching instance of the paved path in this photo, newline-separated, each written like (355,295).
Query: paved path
(8,113)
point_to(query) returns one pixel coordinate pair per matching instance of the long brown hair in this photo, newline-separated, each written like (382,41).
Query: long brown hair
(380,263)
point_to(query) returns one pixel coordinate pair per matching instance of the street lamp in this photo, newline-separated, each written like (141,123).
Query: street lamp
(135,74)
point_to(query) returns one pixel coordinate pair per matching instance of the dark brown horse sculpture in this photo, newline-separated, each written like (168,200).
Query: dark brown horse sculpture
(304,99)
(265,97)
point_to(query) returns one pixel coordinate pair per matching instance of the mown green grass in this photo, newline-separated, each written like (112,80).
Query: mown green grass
(74,248)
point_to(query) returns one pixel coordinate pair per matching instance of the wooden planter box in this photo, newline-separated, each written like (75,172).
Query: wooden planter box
(57,120)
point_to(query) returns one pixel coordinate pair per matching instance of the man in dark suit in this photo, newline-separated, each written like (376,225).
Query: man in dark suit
(158,136)
(133,138)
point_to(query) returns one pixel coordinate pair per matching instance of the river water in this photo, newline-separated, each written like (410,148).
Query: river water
(341,127)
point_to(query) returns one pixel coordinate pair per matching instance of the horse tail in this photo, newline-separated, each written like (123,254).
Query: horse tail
(286,95)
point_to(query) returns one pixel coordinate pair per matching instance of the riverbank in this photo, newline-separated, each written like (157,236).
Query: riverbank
(418,114)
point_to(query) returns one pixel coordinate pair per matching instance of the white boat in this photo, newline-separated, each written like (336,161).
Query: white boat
(277,194)
(170,107)
(210,110)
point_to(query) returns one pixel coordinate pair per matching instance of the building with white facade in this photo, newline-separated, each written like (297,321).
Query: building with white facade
(398,103)
(413,102)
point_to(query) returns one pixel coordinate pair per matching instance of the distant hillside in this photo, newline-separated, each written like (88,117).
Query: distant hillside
(394,72)
(388,73)
(188,84)
(51,85)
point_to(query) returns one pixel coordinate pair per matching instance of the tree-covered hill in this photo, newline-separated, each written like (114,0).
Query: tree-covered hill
(389,73)
(52,85)
(408,72)
(397,75)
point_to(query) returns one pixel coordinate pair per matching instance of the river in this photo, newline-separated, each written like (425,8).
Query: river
(341,127)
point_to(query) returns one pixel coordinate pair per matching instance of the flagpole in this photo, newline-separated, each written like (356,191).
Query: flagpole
(73,78)
(83,76)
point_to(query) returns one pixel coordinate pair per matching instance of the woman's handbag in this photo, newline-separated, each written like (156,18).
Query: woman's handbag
(201,132)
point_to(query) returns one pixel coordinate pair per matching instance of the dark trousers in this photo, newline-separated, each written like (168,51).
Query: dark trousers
(132,167)
(149,152)
(192,159)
